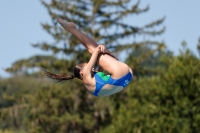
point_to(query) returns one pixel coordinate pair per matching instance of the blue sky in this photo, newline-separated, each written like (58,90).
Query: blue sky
(20,26)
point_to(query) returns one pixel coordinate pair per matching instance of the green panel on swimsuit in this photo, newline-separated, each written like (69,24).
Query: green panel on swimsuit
(103,76)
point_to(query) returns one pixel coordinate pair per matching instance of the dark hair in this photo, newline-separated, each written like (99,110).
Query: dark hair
(61,77)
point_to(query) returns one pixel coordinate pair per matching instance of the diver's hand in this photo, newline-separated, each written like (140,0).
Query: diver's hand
(106,51)
(100,49)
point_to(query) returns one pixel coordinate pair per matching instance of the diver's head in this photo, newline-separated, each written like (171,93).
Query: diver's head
(78,70)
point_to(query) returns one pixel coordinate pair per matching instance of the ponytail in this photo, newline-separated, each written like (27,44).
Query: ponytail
(59,77)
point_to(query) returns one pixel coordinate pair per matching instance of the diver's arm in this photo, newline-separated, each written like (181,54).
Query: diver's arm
(91,63)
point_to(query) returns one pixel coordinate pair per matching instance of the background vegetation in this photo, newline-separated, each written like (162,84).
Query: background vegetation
(164,96)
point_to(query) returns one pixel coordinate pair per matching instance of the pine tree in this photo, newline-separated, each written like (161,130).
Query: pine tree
(103,21)
(69,107)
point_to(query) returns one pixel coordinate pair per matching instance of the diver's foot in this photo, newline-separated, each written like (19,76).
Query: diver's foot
(66,25)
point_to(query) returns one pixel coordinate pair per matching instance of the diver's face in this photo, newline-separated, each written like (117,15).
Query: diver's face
(83,67)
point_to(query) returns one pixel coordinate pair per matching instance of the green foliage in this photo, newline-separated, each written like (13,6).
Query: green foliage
(15,94)
(103,21)
(62,109)
(162,98)
(168,102)
(145,62)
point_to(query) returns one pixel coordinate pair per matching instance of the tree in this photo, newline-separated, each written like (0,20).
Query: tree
(167,102)
(15,94)
(72,109)
(103,21)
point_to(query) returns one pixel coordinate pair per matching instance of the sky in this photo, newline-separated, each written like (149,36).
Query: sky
(20,26)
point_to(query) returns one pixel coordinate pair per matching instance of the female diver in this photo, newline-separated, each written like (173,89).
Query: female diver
(96,82)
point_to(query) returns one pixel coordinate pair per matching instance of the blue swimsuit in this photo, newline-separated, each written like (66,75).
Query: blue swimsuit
(102,79)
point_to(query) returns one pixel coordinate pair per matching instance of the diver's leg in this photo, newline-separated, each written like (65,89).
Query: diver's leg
(89,43)
(114,67)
